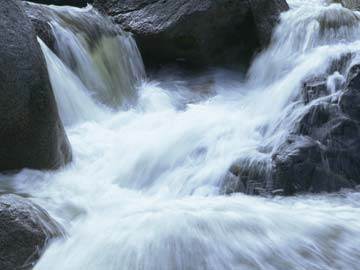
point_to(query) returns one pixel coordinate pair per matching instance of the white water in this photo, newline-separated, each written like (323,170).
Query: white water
(143,190)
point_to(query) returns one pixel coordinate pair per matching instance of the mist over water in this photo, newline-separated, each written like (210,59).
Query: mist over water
(150,156)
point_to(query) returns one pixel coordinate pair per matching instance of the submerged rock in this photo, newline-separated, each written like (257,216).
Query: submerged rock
(26,229)
(196,32)
(31,133)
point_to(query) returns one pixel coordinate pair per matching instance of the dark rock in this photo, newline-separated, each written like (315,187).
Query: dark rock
(196,32)
(233,184)
(316,121)
(249,177)
(266,15)
(40,24)
(314,89)
(44,32)
(329,158)
(31,133)
(26,229)
(76,3)
(295,162)
(325,156)
(305,165)
(323,152)
(343,148)
(340,64)
(317,87)
(350,100)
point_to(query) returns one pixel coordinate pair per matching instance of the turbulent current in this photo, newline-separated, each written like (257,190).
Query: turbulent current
(150,155)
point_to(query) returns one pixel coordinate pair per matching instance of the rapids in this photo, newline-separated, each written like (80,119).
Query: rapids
(151,154)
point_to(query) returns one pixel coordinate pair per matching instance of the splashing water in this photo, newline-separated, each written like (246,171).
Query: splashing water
(143,190)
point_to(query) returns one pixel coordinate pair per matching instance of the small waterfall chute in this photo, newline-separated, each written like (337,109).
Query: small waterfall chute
(104,57)
(73,98)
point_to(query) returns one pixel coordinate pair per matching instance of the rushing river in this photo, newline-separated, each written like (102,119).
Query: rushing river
(144,189)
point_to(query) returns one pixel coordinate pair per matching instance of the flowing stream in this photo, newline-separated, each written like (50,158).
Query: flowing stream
(150,155)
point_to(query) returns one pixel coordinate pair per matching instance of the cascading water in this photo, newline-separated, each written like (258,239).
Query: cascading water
(104,59)
(143,189)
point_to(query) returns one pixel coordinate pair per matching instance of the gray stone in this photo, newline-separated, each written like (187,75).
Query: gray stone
(26,230)
(31,132)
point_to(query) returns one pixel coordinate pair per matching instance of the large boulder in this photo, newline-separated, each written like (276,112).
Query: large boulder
(196,32)
(31,132)
(25,230)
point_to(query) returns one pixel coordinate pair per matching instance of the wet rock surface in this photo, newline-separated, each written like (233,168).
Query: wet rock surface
(40,23)
(323,152)
(196,32)
(26,229)
(247,177)
(332,160)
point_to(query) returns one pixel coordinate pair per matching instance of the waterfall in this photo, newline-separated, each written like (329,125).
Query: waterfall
(150,156)
(72,96)
(100,60)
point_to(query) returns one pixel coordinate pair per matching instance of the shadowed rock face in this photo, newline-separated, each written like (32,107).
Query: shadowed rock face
(196,32)
(31,132)
(25,231)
